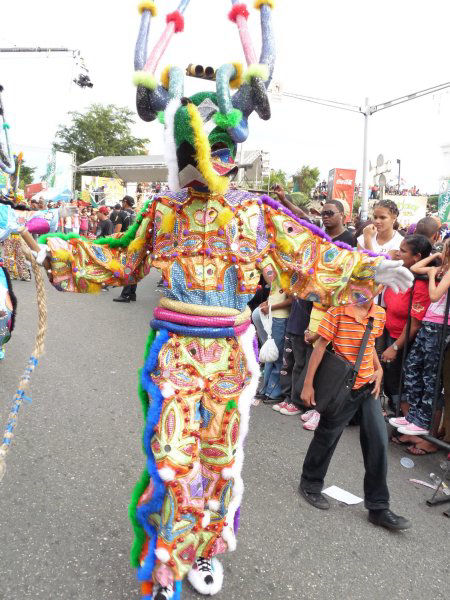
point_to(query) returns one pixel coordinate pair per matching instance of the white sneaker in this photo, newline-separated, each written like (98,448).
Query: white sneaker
(206,576)
(307,415)
(312,423)
(162,593)
(279,406)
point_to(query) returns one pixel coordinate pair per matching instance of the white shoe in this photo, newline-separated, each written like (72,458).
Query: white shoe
(206,576)
(162,593)
(307,415)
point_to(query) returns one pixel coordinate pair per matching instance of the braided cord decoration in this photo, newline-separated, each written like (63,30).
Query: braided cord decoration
(24,382)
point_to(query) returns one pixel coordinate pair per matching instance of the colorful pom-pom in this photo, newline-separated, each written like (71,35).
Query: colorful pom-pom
(161,117)
(231,119)
(224,217)
(136,245)
(230,405)
(63,255)
(259,3)
(145,79)
(115,267)
(238,10)
(177,19)
(5,126)
(93,288)
(148,5)
(165,79)
(259,71)
(236,83)
(285,280)
(167,223)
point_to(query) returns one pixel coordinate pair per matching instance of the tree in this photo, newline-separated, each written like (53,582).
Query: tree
(26,175)
(432,203)
(306,179)
(100,131)
(276,177)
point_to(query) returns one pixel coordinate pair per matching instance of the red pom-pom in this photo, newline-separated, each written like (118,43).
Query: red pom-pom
(238,10)
(177,18)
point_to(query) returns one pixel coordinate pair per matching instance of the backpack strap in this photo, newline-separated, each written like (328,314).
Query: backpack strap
(363,346)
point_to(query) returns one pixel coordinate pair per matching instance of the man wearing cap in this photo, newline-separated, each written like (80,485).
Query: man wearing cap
(105,226)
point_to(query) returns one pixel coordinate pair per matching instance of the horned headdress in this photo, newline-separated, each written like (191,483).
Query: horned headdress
(7,162)
(183,117)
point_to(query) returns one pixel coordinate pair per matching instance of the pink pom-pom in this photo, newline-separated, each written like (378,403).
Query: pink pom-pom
(177,18)
(238,10)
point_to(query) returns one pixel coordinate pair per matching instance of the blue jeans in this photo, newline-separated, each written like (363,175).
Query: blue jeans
(271,386)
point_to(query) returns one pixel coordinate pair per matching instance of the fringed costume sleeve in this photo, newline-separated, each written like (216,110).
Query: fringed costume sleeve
(84,266)
(310,266)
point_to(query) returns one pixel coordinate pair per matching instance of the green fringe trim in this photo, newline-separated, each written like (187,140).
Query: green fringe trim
(230,405)
(260,71)
(231,119)
(161,117)
(121,242)
(139,533)
(145,79)
(139,488)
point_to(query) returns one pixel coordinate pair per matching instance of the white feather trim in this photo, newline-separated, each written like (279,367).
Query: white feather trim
(167,474)
(167,390)
(213,505)
(206,519)
(162,554)
(229,537)
(170,148)
(227,473)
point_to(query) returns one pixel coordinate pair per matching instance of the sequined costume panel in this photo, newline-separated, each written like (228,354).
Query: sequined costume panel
(14,258)
(6,309)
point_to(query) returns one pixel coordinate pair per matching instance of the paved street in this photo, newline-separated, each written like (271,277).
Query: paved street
(63,502)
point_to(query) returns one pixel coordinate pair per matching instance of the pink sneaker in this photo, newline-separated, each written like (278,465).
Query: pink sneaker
(398,422)
(412,429)
(307,415)
(311,424)
(278,407)
(289,409)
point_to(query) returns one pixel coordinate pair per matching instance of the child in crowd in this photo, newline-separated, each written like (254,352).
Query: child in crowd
(84,222)
(345,326)
(280,304)
(381,236)
(421,365)
(413,249)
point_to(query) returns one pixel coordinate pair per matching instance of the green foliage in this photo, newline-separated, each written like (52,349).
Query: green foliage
(300,199)
(432,203)
(356,205)
(276,177)
(26,175)
(100,131)
(306,179)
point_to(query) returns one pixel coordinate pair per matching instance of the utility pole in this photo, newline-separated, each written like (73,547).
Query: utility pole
(365,191)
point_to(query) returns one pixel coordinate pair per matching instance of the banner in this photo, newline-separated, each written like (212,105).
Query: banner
(444,202)
(101,190)
(341,186)
(412,208)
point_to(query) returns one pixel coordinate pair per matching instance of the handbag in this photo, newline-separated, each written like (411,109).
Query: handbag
(269,351)
(335,377)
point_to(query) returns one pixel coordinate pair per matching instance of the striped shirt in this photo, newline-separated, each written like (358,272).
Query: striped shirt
(345,329)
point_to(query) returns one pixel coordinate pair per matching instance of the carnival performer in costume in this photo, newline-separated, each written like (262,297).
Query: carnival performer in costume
(200,372)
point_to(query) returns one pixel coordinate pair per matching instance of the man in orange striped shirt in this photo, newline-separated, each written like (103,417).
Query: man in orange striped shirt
(344,327)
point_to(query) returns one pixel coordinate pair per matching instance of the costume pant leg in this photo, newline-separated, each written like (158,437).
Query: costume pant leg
(300,350)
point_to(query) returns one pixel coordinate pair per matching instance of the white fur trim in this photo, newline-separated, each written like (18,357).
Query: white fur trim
(227,473)
(170,148)
(206,519)
(162,555)
(167,474)
(167,390)
(244,405)
(196,579)
(213,505)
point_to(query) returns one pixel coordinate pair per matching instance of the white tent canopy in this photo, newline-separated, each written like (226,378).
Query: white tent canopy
(130,169)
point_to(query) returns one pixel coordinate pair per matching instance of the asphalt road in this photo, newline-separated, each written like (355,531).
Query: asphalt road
(64,528)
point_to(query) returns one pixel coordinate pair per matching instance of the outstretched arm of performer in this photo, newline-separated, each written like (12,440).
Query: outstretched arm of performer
(314,268)
(75,264)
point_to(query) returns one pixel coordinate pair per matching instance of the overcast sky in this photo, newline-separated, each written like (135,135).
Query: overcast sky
(343,50)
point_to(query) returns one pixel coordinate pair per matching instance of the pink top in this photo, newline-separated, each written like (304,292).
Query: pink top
(436,311)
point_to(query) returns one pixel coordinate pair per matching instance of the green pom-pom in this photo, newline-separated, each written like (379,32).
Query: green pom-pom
(5,126)
(260,71)
(230,405)
(145,79)
(231,119)
(161,117)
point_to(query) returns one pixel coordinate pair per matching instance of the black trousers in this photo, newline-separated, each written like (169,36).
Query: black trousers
(373,440)
(129,290)
(294,359)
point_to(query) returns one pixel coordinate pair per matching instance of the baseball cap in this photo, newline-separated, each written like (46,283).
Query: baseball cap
(104,210)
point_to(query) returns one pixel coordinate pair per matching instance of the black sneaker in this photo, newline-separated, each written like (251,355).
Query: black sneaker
(162,593)
(386,518)
(121,299)
(316,500)
(268,400)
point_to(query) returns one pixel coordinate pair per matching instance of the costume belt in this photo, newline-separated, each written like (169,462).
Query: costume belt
(195,320)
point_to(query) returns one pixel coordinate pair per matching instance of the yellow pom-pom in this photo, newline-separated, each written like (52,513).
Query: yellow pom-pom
(260,71)
(115,267)
(285,281)
(224,217)
(147,5)
(63,255)
(259,3)
(93,288)
(136,245)
(165,77)
(168,221)
(284,245)
(237,81)
(145,79)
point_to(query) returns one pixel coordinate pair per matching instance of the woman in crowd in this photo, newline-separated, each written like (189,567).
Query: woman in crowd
(84,222)
(413,249)
(381,236)
(420,370)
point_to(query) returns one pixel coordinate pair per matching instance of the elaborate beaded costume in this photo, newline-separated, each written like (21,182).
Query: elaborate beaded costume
(200,372)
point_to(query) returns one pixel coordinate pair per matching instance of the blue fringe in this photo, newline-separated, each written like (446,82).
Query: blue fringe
(144,573)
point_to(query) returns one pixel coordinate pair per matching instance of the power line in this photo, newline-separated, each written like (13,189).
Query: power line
(323,102)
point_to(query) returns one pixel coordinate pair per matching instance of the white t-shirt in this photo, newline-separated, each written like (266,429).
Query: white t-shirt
(392,244)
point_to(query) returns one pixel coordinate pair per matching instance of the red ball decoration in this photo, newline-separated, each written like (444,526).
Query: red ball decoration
(177,18)
(238,10)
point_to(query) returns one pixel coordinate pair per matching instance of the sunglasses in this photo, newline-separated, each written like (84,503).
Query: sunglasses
(328,213)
